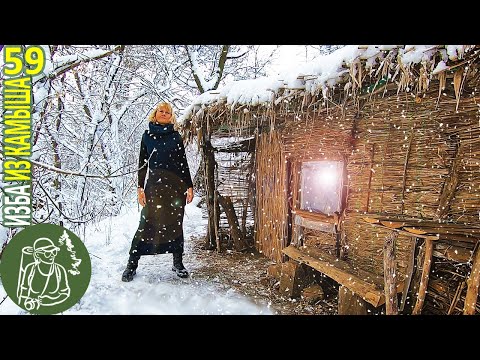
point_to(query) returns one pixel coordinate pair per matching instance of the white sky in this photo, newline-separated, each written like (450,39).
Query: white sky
(156,289)
(286,56)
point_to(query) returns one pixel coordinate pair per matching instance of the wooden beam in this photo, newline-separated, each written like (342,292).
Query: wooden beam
(405,168)
(427,237)
(314,224)
(473,283)
(392,224)
(361,283)
(417,276)
(227,205)
(456,297)
(315,216)
(212,239)
(370,177)
(247,145)
(419,223)
(450,185)
(389,267)
(409,273)
(422,291)
(474,234)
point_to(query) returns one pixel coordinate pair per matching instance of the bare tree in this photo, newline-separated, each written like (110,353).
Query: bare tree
(90,109)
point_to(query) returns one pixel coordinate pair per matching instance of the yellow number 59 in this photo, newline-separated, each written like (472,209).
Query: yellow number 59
(35,57)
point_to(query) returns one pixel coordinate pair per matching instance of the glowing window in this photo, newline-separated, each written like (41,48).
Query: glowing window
(321,186)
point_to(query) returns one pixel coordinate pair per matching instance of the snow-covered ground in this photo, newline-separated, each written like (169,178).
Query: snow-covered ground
(155,289)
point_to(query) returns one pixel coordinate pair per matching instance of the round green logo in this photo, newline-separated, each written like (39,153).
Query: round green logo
(45,269)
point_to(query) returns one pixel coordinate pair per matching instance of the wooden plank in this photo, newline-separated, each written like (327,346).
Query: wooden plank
(391,304)
(473,283)
(371,220)
(427,237)
(392,224)
(414,230)
(340,271)
(461,228)
(315,216)
(444,230)
(314,224)
(422,291)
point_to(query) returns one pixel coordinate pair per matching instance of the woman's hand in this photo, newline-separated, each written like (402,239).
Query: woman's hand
(189,195)
(141,196)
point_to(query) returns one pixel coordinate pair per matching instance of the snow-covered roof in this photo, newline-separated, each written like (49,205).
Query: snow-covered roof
(350,68)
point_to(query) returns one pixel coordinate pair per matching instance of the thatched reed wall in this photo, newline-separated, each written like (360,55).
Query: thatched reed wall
(306,138)
(271,201)
(403,153)
(321,240)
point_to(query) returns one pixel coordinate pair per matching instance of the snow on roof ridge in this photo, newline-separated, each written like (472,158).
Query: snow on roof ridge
(324,73)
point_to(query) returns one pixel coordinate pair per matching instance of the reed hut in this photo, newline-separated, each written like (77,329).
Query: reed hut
(363,166)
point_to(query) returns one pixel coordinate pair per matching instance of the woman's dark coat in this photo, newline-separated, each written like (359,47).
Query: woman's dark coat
(160,229)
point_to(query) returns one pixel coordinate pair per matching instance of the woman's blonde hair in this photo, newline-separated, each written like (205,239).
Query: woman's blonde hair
(173,119)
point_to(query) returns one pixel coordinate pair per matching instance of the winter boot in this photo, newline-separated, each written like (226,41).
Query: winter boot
(131,269)
(178,265)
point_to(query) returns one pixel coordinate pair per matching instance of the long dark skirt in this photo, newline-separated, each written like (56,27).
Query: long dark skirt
(160,229)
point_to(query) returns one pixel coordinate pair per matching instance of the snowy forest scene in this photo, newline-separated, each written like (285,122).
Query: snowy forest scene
(261,179)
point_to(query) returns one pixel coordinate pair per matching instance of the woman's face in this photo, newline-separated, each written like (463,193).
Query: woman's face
(163,115)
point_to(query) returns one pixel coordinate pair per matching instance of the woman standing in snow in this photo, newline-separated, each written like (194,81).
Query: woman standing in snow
(163,197)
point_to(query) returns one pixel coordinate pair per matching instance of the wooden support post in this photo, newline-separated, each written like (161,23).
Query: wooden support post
(370,174)
(417,274)
(473,283)
(349,303)
(338,235)
(409,273)
(293,279)
(450,185)
(456,297)
(422,291)
(211,240)
(297,235)
(391,303)
(405,168)
(227,205)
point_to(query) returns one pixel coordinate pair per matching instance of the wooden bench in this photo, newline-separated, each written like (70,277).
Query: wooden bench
(368,286)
